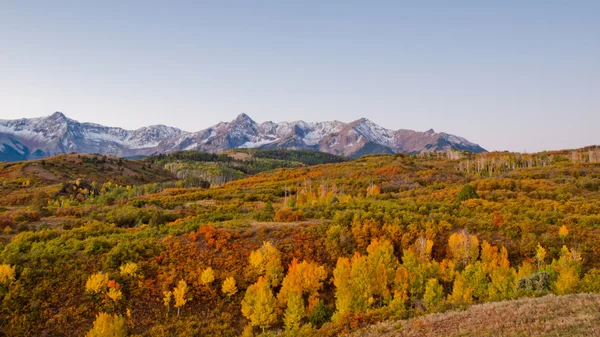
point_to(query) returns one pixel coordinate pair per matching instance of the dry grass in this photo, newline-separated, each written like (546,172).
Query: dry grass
(570,315)
(240,155)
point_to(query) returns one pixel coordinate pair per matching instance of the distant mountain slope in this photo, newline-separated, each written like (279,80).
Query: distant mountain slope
(34,138)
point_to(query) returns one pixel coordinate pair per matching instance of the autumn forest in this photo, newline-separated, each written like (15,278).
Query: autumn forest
(287,243)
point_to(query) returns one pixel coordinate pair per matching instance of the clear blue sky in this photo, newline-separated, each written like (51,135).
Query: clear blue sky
(515,75)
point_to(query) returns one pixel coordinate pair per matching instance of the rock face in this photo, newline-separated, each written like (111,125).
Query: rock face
(34,138)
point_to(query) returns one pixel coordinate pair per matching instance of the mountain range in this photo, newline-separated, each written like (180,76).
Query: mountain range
(34,138)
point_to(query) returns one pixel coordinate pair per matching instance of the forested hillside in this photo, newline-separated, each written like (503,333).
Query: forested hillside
(21,181)
(298,251)
(218,169)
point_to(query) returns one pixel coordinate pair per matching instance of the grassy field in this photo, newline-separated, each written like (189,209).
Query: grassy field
(570,315)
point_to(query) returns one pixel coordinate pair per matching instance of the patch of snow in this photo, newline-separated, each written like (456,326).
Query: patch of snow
(374,132)
(457,140)
(99,137)
(312,138)
(212,134)
(259,143)
(335,142)
(192,146)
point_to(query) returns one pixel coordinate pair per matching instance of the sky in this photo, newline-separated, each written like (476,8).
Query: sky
(508,75)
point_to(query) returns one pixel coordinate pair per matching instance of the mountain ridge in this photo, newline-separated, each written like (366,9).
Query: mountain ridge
(34,138)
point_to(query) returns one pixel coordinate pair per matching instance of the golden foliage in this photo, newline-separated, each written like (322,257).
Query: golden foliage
(258,304)
(343,286)
(434,295)
(463,247)
(229,288)
(7,274)
(107,325)
(96,283)
(461,293)
(114,294)
(208,276)
(567,272)
(563,232)
(540,255)
(180,295)
(305,278)
(266,262)
(129,269)
(294,313)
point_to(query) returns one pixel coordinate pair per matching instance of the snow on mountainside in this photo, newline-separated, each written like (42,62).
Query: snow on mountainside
(32,138)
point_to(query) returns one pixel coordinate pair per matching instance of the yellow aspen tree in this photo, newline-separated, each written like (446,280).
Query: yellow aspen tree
(305,277)
(361,284)
(114,294)
(208,276)
(382,264)
(567,281)
(477,278)
(294,313)
(129,269)
(229,287)
(433,296)
(167,295)
(463,247)
(525,269)
(567,273)
(108,325)
(503,258)
(422,247)
(266,261)
(540,255)
(401,284)
(258,304)
(462,294)
(248,331)
(179,293)
(503,283)
(96,283)
(448,270)
(563,232)
(489,256)
(343,287)
(7,274)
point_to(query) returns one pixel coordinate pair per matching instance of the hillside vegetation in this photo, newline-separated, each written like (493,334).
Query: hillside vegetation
(20,181)
(303,251)
(221,168)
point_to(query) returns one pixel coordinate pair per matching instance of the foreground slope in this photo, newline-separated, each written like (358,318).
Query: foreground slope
(569,315)
(119,249)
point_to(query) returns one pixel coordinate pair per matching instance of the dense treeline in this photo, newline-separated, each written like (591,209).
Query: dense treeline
(299,251)
(221,168)
(301,156)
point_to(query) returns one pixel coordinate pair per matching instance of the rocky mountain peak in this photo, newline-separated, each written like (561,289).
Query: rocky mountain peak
(58,134)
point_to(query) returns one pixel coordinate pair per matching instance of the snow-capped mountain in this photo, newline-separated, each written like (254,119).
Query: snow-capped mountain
(33,138)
